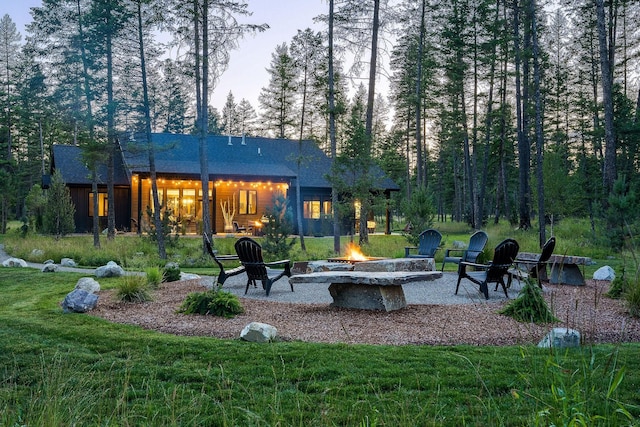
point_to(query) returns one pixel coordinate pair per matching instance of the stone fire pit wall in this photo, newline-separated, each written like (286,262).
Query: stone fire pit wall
(390,264)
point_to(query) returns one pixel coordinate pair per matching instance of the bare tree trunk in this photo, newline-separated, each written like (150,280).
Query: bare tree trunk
(203,111)
(538,124)
(420,178)
(365,205)
(523,145)
(606,65)
(162,253)
(112,140)
(332,134)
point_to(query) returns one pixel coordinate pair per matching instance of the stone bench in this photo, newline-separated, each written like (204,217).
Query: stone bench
(381,290)
(564,268)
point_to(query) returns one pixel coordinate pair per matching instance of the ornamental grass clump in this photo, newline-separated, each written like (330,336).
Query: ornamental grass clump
(133,289)
(154,276)
(632,298)
(530,306)
(213,302)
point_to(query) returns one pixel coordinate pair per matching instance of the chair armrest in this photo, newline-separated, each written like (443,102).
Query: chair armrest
(448,251)
(475,265)
(285,262)
(408,249)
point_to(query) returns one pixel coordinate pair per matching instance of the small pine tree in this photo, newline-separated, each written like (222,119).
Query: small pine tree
(530,306)
(419,212)
(276,232)
(59,209)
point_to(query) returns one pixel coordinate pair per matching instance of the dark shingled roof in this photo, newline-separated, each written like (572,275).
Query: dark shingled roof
(68,160)
(229,158)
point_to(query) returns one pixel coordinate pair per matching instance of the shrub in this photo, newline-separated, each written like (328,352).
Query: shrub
(618,286)
(214,302)
(632,298)
(530,306)
(171,272)
(133,289)
(154,276)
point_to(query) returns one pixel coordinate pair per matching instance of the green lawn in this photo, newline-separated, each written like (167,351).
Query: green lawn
(74,369)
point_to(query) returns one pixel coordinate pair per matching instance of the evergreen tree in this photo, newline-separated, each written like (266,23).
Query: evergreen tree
(278,99)
(59,210)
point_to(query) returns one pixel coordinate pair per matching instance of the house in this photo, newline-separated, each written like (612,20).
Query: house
(244,174)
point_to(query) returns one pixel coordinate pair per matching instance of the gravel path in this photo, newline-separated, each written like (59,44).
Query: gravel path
(434,315)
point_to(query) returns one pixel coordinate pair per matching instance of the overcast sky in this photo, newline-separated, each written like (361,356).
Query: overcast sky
(246,74)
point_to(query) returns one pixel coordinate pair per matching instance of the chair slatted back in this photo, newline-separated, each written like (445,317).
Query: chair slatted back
(503,257)
(250,255)
(429,242)
(547,250)
(477,242)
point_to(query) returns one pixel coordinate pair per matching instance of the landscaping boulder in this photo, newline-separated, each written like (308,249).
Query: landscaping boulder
(67,262)
(49,261)
(458,244)
(37,252)
(188,276)
(560,338)
(258,332)
(49,268)
(79,301)
(604,273)
(88,284)
(110,270)
(14,262)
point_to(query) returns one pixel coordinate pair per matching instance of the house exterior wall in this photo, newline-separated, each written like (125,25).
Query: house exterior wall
(80,195)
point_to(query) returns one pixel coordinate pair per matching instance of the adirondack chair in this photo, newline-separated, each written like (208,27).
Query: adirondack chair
(224,273)
(477,242)
(493,272)
(250,255)
(535,268)
(429,243)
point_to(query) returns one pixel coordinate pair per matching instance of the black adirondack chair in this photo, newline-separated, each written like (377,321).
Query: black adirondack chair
(477,242)
(494,272)
(224,273)
(428,244)
(250,255)
(536,268)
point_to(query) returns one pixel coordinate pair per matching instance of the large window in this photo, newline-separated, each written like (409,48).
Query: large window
(247,203)
(311,209)
(315,209)
(103,204)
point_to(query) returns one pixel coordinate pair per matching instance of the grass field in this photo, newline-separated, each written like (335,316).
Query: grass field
(74,369)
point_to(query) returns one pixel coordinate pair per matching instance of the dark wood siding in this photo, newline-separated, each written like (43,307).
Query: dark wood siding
(84,223)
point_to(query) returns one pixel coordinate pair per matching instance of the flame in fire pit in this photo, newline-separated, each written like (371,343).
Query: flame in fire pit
(353,253)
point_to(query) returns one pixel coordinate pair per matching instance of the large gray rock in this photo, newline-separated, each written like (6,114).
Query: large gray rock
(14,262)
(458,244)
(37,252)
(258,332)
(67,262)
(110,270)
(397,264)
(188,276)
(88,284)
(561,338)
(604,273)
(49,268)
(79,301)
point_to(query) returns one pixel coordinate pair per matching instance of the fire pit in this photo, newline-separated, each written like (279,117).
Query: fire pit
(353,256)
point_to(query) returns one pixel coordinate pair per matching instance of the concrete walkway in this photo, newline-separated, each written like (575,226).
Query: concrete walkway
(439,291)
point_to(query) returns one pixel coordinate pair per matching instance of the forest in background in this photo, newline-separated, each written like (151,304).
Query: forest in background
(523,109)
